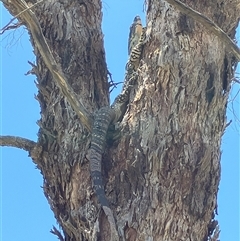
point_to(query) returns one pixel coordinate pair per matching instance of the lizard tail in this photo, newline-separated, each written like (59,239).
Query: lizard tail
(100,126)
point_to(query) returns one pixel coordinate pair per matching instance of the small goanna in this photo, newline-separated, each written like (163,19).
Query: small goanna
(103,118)
(134,33)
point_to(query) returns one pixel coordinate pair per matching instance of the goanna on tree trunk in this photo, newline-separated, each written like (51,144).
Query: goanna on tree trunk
(162,175)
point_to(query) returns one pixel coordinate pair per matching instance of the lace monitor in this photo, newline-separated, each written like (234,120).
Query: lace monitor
(134,33)
(103,118)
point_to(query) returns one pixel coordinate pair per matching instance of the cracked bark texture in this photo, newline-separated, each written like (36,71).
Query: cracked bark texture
(162,176)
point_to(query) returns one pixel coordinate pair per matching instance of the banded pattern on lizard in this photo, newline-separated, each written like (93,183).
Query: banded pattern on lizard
(103,118)
(134,33)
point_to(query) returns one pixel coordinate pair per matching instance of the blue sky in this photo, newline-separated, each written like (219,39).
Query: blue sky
(25,213)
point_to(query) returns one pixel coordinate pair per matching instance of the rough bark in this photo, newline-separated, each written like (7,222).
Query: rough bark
(162,175)
(175,124)
(73,33)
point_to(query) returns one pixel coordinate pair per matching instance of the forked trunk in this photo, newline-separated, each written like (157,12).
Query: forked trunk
(162,175)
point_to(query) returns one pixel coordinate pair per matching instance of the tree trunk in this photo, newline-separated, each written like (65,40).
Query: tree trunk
(162,175)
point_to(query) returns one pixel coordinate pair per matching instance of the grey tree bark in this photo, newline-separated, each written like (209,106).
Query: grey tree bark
(162,175)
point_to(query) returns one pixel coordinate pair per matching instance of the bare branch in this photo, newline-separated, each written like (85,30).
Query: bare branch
(16,25)
(17,142)
(9,27)
(56,232)
(29,18)
(236,80)
(208,24)
(33,148)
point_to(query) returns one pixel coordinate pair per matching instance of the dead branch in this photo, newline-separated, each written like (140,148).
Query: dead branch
(28,17)
(208,24)
(236,80)
(17,142)
(16,25)
(56,232)
(10,27)
(33,148)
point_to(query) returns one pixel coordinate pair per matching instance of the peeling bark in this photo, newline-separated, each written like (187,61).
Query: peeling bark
(162,175)
(171,159)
